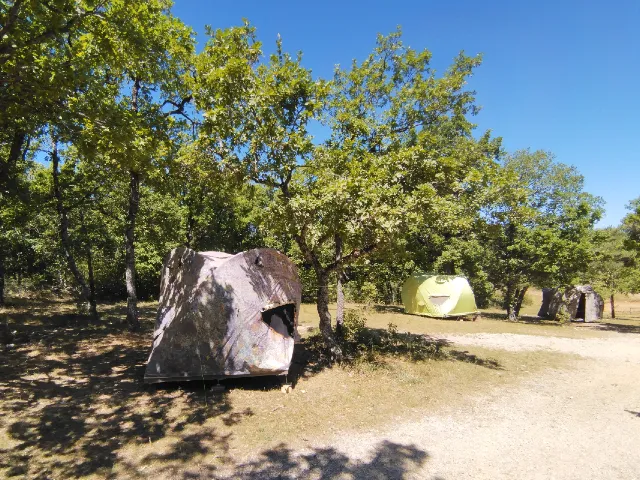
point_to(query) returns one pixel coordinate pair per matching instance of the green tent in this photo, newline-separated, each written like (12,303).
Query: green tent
(438,296)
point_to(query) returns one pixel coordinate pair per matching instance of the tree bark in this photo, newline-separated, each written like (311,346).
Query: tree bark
(92,284)
(322,304)
(130,255)
(1,277)
(520,293)
(132,213)
(85,292)
(339,306)
(613,307)
(5,332)
(93,307)
(190,226)
(508,303)
(6,166)
(340,293)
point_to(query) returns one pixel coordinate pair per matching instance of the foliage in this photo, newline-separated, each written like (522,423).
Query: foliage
(362,345)
(160,146)
(354,324)
(562,315)
(255,115)
(62,63)
(537,232)
(631,226)
(613,267)
(400,155)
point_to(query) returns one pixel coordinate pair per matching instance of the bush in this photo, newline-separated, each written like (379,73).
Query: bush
(408,345)
(353,326)
(369,292)
(563,315)
(360,344)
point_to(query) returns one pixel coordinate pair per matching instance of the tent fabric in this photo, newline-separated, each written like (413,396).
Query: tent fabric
(439,296)
(579,302)
(222,315)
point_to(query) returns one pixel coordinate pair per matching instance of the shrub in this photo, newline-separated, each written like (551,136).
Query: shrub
(353,326)
(563,315)
(369,292)
(360,344)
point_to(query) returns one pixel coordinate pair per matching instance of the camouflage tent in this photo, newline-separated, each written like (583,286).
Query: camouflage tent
(223,315)
(580,302)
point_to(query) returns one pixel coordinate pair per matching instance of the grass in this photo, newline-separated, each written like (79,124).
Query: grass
(493,320)
(73,403)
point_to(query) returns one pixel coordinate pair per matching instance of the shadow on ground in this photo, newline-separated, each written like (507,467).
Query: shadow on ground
(617,327)
(465,356)
(72,396)
(527,319)
(376,346)
(388,309)
(73,403)
(389,461)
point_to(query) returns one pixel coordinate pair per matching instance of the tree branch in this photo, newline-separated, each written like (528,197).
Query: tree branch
(354,255)
(12,16)
(307,252)
(8,48)
(179,107)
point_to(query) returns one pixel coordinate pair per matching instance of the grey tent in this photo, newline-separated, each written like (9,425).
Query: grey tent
(223,315)
(580,302)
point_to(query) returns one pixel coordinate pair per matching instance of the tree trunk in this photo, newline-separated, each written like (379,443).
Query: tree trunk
(1,277)
(613,307)
(5,332)
(508,303)
(340,306)
(322,304)
(340,293)
(85,293)
(132,213)
(93,307)
(130,256)
(519,299)
(93,304)
(6,166)
(190,226)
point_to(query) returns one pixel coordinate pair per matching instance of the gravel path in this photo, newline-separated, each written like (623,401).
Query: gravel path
(577,423)
(620,347)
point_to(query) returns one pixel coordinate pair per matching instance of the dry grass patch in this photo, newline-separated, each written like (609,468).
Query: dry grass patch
(493,320)
(489,322)
(347,398)
(73,403)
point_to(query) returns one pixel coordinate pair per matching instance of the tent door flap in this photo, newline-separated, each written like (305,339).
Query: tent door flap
(281,318)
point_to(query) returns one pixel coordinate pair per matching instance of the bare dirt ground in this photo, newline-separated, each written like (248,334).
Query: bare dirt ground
(581,422)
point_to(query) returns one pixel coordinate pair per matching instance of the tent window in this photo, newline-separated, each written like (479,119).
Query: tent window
(581,306)
(439,299)
(280,318)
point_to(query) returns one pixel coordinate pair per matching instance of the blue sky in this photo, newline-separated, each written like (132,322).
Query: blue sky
(557,75)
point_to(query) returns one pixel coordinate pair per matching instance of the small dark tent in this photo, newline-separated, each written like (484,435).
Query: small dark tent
(223,315)
(580,302)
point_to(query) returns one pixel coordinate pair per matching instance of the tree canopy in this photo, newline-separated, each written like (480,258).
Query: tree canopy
(119,142)
(538,229)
